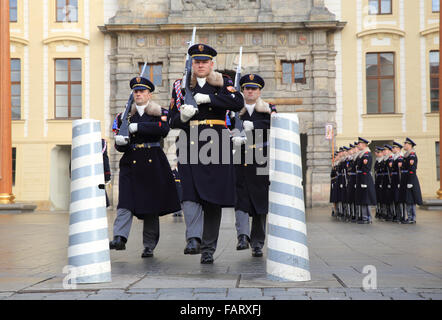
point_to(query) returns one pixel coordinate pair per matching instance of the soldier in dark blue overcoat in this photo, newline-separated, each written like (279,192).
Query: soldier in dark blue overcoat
(204,150)
(396,176)
(146,185)
(365,184)
(411,184)
(252,186)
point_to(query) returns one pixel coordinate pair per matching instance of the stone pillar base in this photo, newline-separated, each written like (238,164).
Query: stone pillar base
(17,208)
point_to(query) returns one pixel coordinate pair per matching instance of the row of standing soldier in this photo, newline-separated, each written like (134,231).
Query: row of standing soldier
(395,190)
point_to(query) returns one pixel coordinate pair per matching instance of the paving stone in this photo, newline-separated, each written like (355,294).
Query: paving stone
(238,293)
(404,296)
(210,290)
(275,291)
(368,296)
(292,297)
(74,295)
(142,290)
(27,296)
(432,296)
(143,296)
(328,296)
(307,290)
(176,297)
(345,290)
(209,296)
(424,290)
(4,295)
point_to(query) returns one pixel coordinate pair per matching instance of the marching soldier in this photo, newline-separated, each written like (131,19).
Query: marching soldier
(396,181)
(411,185)
(252,187)
(207,187)
(366,194)
(146,185)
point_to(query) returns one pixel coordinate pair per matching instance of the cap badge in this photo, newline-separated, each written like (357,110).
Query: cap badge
(251,77)
(201,48)
(138,79)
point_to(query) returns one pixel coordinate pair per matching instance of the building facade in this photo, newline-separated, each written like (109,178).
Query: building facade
(367,67)
(387,70)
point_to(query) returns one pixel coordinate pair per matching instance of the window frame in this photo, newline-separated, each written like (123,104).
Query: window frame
(16,11)
(379,78)
(151,74)
(293,73)
(67,3)
(69,83)
(437,161)
(432,6)
(380,8)
(436,76)
(16,83)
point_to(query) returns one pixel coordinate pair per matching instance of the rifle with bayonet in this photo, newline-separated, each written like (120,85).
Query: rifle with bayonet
(239,132)
(124,128)
(188,97)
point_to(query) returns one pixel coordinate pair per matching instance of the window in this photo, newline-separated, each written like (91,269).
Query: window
(379,7)
(437,161)
(15,89)
(153,72)
(14,157)
(380,82)
(293,72)
(68,88)
(12,10)
(435,6)
(434,80)
(67,10)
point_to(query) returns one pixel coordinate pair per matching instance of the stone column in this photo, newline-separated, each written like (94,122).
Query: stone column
(6,196)
(265,12)
(319,150)
(267,69)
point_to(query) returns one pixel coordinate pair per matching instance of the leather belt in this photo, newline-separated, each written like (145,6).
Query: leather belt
(351,174)
(145,145)
(207,122)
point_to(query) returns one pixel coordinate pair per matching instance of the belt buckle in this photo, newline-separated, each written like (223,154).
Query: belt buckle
(139,145)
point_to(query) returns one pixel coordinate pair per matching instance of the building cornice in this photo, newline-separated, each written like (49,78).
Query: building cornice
(66,38)
(302,25)
(392,31)
(20,40)
(428,31)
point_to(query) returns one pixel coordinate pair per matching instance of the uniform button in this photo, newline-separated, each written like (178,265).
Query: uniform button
(210,108)
(211,141)
(260,149)
(191,142)
(245,165)
(148,147)
(245,151)
(150,160)
(134,161)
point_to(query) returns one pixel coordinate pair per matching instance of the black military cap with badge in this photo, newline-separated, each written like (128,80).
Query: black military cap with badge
(397,145)
(409,141)
(141,83)
(362,140)
(202,52)
(387,146)
(251,81)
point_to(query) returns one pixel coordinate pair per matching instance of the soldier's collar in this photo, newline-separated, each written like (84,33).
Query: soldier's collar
(214,79)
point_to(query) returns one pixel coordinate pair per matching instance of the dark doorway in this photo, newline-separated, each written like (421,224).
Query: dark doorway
(303,140)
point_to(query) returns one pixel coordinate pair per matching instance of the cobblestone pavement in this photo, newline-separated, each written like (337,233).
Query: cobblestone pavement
(404,260)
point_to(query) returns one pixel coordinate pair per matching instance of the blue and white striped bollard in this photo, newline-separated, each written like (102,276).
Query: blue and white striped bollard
(287,251)
(88,252)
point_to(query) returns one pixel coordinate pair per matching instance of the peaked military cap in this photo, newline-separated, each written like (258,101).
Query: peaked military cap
(379,149)
(363,140)
(252,80)
(408,140)
(346,148)
(356,143)
(397,144)
(201,51)
(352,145)
(141,83)
(387,146)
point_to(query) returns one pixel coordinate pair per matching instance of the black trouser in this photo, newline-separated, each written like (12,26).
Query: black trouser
(212,222)
(258,232)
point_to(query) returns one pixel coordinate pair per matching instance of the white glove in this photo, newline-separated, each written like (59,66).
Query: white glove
(121,140)
(187,111)
(237,141)
(248,125)
(201,98)
(133,127)
(409,186)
